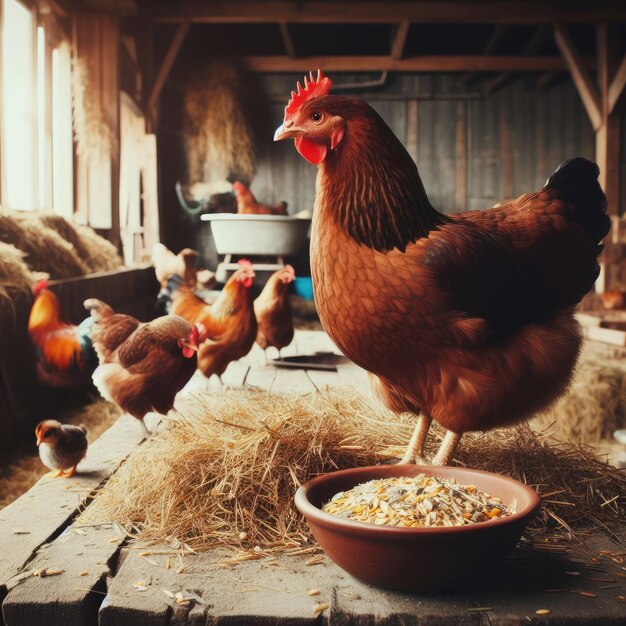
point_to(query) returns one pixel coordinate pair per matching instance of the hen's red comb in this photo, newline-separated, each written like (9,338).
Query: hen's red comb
(244,264)
(313,88)
(39,286)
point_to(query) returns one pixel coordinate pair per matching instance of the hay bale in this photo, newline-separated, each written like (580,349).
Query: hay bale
(46,251)
(15,278)
(231,462)
(102,255)
(595,405)
(97,253)
(218,128)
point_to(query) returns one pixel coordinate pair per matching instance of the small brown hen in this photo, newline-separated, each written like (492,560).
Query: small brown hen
(229,324)
(273,311)
(248,205)
(142,366)
(466,319)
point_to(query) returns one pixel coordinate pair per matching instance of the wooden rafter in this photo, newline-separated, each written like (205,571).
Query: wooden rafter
(580,76)
(537,40)
(290,48)
(168,61)
(444,63)
(617,86)
(223,11)
(493,43)
(399,40)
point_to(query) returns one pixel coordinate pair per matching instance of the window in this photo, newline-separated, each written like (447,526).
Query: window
(62,138)
(36,125)
(19,123)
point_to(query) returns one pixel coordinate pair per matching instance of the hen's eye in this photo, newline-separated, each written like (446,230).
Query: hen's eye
(316,116)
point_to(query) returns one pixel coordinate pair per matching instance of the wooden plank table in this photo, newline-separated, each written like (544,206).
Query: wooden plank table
(108,581)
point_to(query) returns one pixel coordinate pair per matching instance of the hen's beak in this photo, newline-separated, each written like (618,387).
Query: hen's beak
(283,132)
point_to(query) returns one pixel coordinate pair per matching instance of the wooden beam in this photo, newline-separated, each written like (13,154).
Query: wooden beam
(223,11)
(538,38)
(580,76)
(495,40)
(168,61)
(444,63)
(608,135)
(290,48)
(617,86)
(399,40)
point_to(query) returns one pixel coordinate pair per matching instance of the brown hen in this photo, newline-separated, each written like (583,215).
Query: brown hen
(273,311)
(465,319)
(229,324)
(142,366)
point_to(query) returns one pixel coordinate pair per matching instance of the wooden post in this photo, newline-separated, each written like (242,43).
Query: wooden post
(597,101)
(608,136)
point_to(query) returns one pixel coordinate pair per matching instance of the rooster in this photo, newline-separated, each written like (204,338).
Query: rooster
(229,324)
(466,319)
(142,366)
(66,357)
(273,311)
(247,204)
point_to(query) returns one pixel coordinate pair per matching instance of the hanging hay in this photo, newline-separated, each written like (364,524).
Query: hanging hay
(15,278)
(46,251)
(218,129)
(595,405)
(98,254)
(231,462)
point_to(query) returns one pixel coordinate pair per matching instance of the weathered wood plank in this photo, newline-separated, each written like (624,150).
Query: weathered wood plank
(44,511)
(73,597)
(275,592)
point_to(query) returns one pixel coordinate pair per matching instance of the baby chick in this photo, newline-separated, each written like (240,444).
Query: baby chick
(61,446)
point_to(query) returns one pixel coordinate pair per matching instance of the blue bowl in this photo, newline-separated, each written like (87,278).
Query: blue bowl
(303,287)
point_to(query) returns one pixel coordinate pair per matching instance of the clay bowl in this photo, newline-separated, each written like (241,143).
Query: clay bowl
(417,559)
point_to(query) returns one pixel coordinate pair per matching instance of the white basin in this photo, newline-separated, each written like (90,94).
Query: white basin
(267,235)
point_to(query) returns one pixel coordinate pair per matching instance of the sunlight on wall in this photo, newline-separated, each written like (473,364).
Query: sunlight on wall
(62,140)
(19,106)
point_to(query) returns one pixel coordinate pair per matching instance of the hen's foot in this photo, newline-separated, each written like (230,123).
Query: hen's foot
(55,474)
(71,472)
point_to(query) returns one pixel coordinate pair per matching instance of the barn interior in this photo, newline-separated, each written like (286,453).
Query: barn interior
(128,124)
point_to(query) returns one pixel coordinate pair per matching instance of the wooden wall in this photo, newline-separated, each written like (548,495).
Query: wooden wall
(471,151)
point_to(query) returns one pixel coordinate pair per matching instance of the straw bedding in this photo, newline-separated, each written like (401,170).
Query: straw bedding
(230,463)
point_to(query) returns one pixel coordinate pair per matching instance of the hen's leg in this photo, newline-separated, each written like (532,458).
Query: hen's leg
(446,449)
(415,449)
(71,472)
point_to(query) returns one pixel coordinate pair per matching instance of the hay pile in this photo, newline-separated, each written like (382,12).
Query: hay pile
(218,126)
(231,462)
(96,252)
(15,278)
(595,405)
(46,250)
(55,246)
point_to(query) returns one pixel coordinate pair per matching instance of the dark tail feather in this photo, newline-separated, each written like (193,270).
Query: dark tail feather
(577,182)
